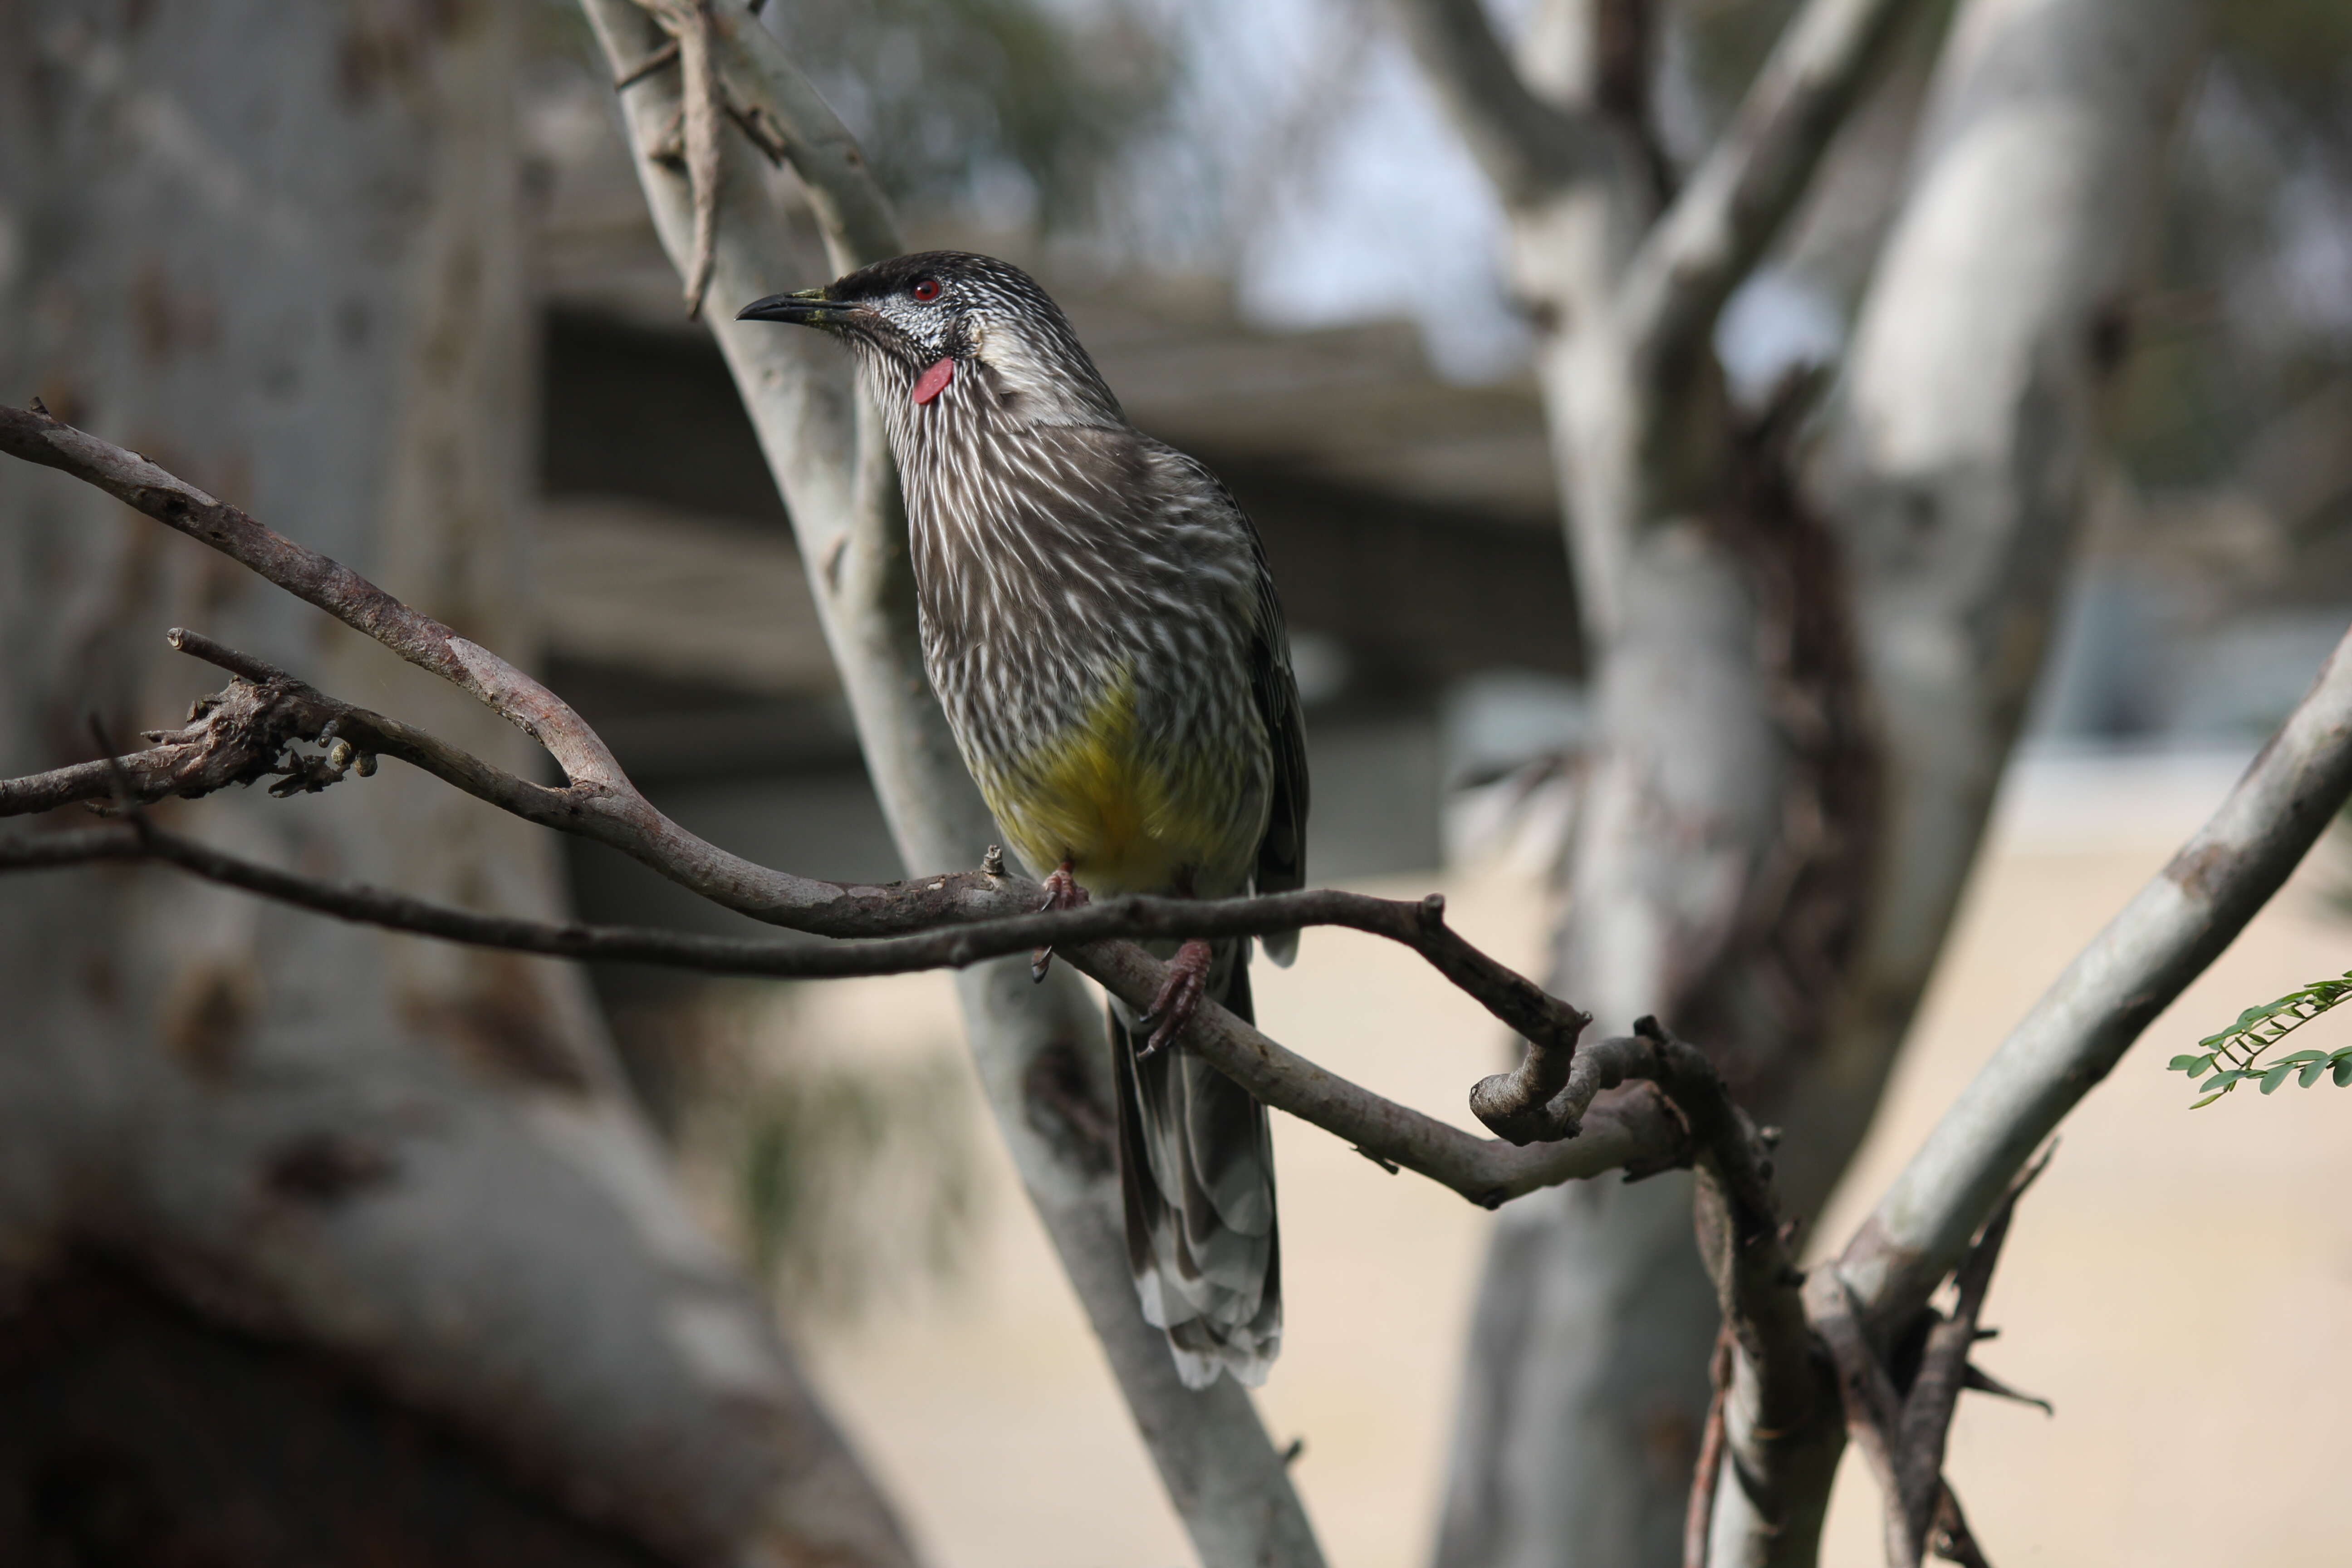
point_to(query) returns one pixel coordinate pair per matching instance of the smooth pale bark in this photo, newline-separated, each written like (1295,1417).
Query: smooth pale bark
(1042,1050)
(1806,690)
(1960,461)
(279,249)
(1586,1379)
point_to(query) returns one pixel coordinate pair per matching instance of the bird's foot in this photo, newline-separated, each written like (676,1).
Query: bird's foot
(1180,996)
(1062,892)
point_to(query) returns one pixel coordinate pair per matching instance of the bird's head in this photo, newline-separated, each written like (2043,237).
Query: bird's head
(948,323)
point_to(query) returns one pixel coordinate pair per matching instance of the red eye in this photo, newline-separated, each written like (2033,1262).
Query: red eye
(925,291)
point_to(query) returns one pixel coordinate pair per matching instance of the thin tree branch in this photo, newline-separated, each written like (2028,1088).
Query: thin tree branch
(1630,1134)
(701,94)
(1709,1471)
(1739,1225)
(1866,1393)
(1935,1393)
(1953,1542)
(242,732)
(1757,172)
(1527,146)
(1746,1251)
(214,753)
(851,210)
(661,59)
(615,813)
(37,437)
(2176,926)
(1625,50)
(1903,1431)
(599,802)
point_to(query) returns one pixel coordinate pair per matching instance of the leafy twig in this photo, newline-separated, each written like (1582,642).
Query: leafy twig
(2233,1056)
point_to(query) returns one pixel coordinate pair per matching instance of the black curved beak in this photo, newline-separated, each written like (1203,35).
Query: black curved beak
(808,308)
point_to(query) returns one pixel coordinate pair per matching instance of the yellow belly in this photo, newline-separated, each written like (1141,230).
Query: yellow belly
(1124,822)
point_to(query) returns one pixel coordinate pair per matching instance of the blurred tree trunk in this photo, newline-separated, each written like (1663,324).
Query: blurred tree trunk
(391,1192)
(1807,690)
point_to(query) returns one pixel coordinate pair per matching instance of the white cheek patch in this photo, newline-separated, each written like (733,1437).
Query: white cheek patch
(934,380)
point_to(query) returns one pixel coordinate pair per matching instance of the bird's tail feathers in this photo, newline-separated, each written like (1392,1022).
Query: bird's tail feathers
(1196,1168)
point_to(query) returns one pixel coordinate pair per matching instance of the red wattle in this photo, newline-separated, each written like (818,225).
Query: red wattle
(934,380)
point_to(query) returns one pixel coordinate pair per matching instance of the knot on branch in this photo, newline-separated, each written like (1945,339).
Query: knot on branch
(1544,1099)
(238,735)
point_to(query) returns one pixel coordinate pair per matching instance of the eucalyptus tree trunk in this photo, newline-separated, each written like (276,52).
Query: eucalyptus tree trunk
(1810,673)
(389,1192)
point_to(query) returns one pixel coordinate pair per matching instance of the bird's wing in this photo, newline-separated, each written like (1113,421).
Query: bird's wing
(1282,853)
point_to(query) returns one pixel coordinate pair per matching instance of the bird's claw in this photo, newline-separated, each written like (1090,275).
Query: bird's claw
(1180,997)
(1062,892)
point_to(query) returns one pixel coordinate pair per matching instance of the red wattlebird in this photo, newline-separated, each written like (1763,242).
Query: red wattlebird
(1099,621)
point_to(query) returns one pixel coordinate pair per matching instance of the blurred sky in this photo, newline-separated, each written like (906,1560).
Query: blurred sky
(1311,161)
(1351,196)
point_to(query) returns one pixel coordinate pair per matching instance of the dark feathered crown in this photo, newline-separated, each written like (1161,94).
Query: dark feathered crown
(985,283)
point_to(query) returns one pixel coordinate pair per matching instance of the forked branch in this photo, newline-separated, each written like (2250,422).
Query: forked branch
(1720,226)
(1901,1424)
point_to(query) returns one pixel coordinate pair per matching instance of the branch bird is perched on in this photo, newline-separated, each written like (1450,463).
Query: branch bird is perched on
(1099,621)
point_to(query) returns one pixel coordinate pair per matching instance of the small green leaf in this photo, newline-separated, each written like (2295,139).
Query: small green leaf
(2223,1081)
(2310,1074)
(2247,1019)
(2343,1073)
(2190,1064)
(2275,1077)
(2204,1102)
(2299,1057)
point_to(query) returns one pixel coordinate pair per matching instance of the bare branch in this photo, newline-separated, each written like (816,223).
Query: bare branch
(599,803)
(992,925)
(700,95)
(1709,1471)
(855,215)
(1871,1403)
(1527,144)
(237,737)
(661,59)
(314,579)
(1625,60)
(2164,938)
(1902,1432)
(615,813)
(244,728)
(1953,1541)
(1628,1134)
(1755,175)
(1934,1393)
